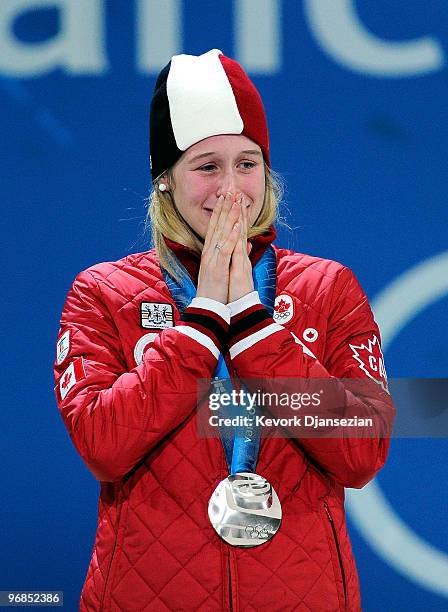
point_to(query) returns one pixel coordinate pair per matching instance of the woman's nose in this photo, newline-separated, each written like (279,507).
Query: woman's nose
(228,183)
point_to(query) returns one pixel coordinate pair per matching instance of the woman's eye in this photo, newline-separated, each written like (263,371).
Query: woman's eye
(208,167)
(247,165)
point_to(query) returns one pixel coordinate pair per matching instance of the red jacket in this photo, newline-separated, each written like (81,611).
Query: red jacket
(129,407)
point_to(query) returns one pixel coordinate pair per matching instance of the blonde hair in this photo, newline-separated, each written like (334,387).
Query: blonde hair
(164,220)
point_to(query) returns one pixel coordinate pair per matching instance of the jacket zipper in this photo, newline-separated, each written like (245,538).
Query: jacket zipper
(112,555)
(341,566)
(230,583)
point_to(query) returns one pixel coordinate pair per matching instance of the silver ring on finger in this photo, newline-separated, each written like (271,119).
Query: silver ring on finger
(218,246)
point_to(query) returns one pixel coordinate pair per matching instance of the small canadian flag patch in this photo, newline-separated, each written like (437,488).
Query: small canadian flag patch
(283,308)
(73,374)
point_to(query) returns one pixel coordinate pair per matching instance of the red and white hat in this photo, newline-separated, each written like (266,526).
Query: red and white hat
(196,97)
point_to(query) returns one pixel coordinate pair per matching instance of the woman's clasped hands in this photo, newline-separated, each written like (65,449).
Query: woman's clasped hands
(225,274)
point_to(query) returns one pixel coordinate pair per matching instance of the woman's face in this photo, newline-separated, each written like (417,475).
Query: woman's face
(214,167)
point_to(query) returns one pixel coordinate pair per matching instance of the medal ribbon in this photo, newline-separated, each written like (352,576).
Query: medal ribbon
(241,449)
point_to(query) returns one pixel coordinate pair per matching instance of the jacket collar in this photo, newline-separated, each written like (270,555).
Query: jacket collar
(191,260)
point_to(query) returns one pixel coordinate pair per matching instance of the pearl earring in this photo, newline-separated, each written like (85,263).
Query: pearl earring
(162,187)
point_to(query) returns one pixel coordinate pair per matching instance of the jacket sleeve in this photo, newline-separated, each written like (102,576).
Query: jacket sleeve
(260,348)
(115,416)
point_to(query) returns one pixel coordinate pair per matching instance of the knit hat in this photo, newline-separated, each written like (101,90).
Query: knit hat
(196,97)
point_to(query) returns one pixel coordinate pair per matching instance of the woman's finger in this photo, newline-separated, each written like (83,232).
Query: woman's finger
(231,233)
(245,217)
(237,243)
(214,232)
(213,222)
(221,227)
(226,224)
(240,248)
(244,222)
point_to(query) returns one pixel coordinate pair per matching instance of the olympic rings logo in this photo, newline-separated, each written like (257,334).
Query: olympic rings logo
(259,532)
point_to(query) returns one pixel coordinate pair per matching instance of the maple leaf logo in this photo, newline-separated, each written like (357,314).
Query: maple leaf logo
(371,361)
(310,334)
(282,306)
(66,380)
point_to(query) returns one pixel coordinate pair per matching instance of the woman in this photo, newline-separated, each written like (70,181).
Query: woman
(137,334)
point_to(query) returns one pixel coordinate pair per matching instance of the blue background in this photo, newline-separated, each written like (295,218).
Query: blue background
(364,159)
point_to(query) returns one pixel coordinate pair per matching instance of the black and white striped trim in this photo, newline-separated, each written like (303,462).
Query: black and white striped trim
(206,321)
(246,343)
(250,322)
(218,308)
(243,303)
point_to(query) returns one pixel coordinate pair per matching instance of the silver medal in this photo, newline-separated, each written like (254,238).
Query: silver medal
(245,510)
